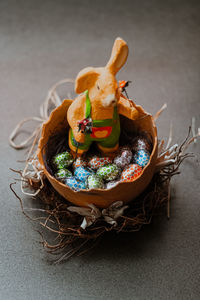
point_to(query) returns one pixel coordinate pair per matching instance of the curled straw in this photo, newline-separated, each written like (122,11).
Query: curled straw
(36,174)
(88,224)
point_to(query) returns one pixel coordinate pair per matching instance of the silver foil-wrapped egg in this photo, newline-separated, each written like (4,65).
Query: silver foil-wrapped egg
(122,161)
(141,143)
(126,152)
(111,184)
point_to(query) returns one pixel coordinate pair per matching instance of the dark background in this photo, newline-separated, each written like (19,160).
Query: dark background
(42,42)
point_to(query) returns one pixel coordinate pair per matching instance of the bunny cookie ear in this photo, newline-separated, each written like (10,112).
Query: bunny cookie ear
(118,56)
(85,79)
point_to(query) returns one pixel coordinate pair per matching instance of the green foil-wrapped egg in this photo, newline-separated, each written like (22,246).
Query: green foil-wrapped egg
(108,172)
(63,173)
(95,182)
(63,160)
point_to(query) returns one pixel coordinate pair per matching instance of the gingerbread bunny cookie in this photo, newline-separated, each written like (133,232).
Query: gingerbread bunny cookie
(94,114)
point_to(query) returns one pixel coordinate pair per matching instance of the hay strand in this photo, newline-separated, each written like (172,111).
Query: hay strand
(76,231)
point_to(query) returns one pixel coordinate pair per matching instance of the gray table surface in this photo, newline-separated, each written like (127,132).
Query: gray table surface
(42,42)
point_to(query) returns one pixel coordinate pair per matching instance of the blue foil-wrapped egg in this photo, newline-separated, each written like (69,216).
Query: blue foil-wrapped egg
(141,157)
(82,173)
(75,184)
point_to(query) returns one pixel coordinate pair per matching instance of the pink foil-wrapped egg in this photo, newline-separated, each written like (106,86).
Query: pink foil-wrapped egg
(131,173)
(96,162)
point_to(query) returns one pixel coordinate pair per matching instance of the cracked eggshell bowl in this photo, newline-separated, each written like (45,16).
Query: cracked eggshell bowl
(123,191)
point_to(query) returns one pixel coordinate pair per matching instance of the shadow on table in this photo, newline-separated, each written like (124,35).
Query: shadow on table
(114,246)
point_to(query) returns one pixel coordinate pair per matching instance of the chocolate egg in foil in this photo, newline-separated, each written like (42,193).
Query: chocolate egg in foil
(79,162)
(122,161)
(63,173)
(141,157)
(75,184)
(141,143)
(131,173)
(95,182)
(96,162)
(63,160)
(109,172)
(82,173)
(126,152)
(111,184)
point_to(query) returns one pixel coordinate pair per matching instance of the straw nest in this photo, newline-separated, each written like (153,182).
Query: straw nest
(67,230)
(76,231)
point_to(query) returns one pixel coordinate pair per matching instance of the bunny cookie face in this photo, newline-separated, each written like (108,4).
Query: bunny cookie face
(98,103)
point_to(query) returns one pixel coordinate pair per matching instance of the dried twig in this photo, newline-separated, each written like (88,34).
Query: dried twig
(68,237)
